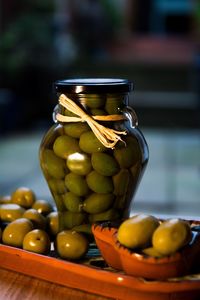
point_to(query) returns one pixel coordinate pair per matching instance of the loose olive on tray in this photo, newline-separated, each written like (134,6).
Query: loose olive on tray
(10,212)
(71,245)
(42,206)
(35,228)
(23,196)
(5,199)
(37,241)
(38,220)
(14,233)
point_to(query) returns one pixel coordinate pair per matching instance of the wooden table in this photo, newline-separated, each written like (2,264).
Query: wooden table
(14,285)
(47,270)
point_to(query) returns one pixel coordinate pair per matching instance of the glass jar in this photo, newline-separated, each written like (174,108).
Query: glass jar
(94,156)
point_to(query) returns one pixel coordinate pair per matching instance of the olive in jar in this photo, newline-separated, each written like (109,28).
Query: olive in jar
(65,145)
(90,144)
(76,184)
(99,183)
(104,164)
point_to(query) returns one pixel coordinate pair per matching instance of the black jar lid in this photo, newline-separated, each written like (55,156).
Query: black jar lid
(93,85)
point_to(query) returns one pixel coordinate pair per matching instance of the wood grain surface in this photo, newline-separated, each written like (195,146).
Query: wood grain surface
(17,286)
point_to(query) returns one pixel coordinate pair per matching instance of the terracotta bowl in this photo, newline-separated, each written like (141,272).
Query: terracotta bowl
(141,265)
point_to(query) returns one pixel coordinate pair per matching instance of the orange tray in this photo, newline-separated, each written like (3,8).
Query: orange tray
(93,275)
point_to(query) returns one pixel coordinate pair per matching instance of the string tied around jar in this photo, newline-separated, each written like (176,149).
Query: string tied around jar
(107,136)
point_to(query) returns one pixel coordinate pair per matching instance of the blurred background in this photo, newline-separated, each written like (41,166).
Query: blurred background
(155,43)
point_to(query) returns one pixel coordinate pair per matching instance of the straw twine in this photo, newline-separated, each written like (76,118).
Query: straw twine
(107,136)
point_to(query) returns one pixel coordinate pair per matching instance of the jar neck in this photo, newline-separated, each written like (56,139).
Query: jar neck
(109,108)
(98,104)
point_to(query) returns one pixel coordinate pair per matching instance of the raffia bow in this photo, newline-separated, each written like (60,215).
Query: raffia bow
(107,136)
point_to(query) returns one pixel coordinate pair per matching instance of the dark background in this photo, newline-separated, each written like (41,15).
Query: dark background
(154,43)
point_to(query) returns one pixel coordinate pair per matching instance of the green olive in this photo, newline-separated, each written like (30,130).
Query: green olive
(23,196)
(121,181)
(70,219)
(57,186)
(59,202)
(129,154)
(86,230)
(97,112)
(111,214)
(137,231)
(99,183)
(104,164)
(171,236)
(90,144)
(98,203)
(54,165)
(44,207)
(75,129)
(65,145)
(151,251)
(5,199)
(38,220)
(120,202)
(95,101)
(53,223)
(79,163)
(15,232)
(10,212)
(76,184)
(37,241)
(83,228)
(72,202)
(113,105)
(71,245)
(68,113)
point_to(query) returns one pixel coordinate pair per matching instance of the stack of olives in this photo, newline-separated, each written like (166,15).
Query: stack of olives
(25,221)
(88,181)
(150,236)
(32,224)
